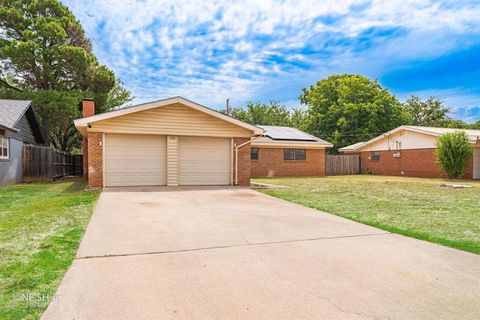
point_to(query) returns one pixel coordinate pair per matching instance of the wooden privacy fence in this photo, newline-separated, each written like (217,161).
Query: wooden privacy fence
(342,164)
(47,163)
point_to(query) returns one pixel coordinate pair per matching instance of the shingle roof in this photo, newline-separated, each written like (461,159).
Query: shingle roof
(288,136)
(12,110)
(473,135)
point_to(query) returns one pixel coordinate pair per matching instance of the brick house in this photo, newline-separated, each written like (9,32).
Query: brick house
(169,142)
(284,151)
(409,151)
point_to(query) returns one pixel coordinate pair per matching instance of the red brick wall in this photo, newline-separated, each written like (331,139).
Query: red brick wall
(95,160)
(270,163)
(412,163)
(243,162)
(85,158)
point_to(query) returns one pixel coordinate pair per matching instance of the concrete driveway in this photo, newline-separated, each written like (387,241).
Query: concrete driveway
(227,253)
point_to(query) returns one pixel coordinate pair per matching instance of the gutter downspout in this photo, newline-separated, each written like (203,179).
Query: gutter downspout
(236,159)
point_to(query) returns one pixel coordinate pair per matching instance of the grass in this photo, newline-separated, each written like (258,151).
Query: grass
(419,208)
(41,225)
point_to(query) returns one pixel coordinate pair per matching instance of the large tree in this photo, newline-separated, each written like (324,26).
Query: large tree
(347,108)
(46,57)
(430,112)
(263,114)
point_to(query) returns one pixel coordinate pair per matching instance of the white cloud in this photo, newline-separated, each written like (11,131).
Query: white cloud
(209,50)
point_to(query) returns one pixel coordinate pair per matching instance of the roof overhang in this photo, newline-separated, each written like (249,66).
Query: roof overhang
(83,123)
(4,127)
(290,144)
(356,148)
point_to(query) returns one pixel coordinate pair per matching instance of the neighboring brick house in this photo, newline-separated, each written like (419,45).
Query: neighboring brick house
(409,151)
(171,142)
(284,151)
(18,126)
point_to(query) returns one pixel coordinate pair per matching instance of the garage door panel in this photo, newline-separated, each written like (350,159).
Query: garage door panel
(204,161)
(135,160)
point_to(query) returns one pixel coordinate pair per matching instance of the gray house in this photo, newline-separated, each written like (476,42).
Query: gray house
(18,126)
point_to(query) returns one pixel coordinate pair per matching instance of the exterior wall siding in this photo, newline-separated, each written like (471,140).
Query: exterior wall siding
(11,169)
(175,119)
(26,133)
(95,159)
(244,163)
(172,161)
(271,163)
(407,139)
(412,163)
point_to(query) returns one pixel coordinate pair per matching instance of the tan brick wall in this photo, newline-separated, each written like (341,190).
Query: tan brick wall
(95,159)
(412,163)
(270,163)
(243,162)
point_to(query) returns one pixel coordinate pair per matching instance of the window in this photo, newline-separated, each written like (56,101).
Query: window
(4,148)
(375,155)
(294,154)
(254,153)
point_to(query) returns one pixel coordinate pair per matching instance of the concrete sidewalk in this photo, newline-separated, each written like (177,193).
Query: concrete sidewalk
(228,253)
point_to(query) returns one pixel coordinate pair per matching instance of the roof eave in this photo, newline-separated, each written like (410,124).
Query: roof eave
(160,103)
(8,128)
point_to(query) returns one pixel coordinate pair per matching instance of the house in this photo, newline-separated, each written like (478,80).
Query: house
(173,142)
(284,151)
(409,151)
(18,126)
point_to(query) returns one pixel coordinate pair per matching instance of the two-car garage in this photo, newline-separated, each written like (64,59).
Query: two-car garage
(143,160)
(173,142)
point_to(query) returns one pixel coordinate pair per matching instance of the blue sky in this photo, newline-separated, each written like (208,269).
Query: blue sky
(269,50)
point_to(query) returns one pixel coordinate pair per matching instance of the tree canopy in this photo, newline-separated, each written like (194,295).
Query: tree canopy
(429,113)
(273,114)
(46,57)
(347,108)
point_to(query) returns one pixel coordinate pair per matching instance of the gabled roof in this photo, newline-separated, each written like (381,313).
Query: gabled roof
(287,136)
(84,122)
(12,111)
(473,135)
(352,146)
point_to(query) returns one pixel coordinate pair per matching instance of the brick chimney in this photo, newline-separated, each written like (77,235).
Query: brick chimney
(88,107)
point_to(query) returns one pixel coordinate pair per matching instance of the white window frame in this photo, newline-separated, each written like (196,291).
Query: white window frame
(4,141)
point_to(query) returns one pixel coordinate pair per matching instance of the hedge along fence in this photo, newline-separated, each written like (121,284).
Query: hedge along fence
(47,163)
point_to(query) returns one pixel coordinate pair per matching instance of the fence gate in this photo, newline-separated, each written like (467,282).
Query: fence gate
(342,164)
(47,163)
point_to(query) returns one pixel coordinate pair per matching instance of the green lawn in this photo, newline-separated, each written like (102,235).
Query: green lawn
(41,225)
(420,208)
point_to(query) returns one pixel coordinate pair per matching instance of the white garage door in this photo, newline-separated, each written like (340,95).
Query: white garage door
(204,161)
(476,163)
(135,160)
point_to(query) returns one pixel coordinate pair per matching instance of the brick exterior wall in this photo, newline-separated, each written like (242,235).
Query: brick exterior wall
(95,159)
(243,162)
(85,158)
(270,163)
(412,163)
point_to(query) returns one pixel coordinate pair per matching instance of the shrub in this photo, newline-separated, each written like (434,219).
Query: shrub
(453,152)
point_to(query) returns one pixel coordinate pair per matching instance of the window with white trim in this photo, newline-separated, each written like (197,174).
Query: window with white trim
(4,148)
